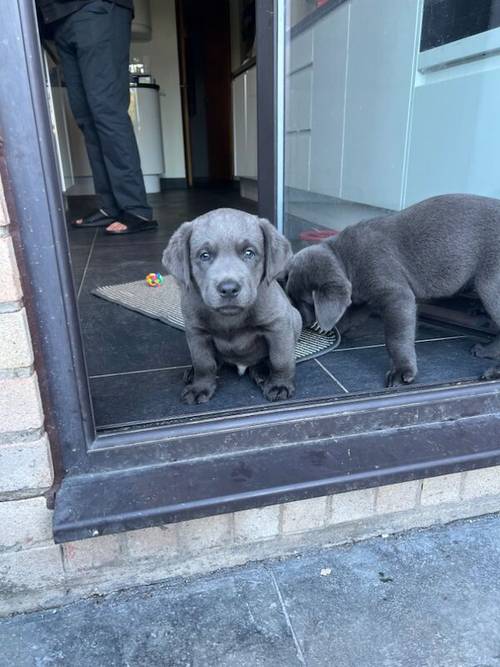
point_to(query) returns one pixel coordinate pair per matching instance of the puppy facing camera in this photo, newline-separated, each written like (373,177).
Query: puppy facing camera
(387,265)
(226,263)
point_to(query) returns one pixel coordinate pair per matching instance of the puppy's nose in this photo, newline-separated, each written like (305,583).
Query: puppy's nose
(228,288)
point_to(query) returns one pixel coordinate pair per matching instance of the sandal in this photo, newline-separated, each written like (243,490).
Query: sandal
(134,224)
(97,219)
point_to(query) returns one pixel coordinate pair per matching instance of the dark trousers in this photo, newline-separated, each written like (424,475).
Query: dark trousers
(93,45)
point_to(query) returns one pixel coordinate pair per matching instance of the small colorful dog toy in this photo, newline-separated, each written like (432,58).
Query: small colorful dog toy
(154,279)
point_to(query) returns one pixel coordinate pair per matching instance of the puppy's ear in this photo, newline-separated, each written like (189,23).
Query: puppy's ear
(331,300)
(176,255)
(277,251)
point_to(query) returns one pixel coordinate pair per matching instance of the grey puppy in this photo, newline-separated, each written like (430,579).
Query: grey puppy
(226,263)
(386,265)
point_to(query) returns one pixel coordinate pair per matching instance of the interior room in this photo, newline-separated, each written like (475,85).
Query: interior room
(358,143)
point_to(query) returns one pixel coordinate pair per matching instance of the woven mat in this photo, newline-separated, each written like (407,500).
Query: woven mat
(163,303)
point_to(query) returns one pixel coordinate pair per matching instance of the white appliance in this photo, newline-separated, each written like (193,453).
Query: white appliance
(144,111)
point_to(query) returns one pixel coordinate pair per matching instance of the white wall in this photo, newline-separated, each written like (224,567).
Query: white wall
(162,50)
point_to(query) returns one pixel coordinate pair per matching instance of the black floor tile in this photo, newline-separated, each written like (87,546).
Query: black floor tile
(439,361)
(78,270)
(113,265)
(118,340)
(372,333)
(155,396)
(79,255)
(80,238)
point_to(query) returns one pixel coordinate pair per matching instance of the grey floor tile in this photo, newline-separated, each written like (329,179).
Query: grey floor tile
(439,361)
(425,599)
(224,621)
(155,396)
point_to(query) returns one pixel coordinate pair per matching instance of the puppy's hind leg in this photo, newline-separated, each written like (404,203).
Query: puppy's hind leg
(354,317)
(489,293)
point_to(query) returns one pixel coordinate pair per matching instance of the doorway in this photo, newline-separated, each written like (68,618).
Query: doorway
(195,61)
(205,78)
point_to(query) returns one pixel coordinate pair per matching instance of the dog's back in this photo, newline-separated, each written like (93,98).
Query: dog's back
(437,246)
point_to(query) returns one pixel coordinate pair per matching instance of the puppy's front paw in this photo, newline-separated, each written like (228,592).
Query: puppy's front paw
(198,392)
(399,376)
(278,391)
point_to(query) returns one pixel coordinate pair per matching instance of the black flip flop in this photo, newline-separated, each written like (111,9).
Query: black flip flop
(134,224)
(97,219)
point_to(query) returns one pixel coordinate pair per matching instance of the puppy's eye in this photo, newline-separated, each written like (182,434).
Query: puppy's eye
(249,253)
(205,256)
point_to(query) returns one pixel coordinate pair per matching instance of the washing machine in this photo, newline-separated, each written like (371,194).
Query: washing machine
(144,111)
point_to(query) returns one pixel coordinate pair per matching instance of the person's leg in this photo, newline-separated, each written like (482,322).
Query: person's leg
(83,117)
(102,34)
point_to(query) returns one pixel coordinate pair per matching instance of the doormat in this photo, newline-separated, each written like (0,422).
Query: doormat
(164,303)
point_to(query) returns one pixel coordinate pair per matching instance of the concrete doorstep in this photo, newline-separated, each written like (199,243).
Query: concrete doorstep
(424,598)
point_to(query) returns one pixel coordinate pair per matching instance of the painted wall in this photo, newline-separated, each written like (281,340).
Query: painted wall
(162,50)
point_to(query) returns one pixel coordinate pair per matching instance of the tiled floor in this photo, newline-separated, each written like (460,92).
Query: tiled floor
(136,363)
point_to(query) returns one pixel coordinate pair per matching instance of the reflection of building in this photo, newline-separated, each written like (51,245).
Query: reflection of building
(373,119)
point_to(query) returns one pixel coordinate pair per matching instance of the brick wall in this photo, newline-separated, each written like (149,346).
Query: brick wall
(35,572)
(25,470)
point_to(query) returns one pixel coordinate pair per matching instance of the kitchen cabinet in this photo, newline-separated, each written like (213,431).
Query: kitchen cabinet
(349,92)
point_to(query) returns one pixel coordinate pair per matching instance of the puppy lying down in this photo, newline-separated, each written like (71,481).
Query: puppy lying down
(226,263)
(386,265)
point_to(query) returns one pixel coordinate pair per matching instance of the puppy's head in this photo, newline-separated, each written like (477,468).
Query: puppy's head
(226,254)
(318,287)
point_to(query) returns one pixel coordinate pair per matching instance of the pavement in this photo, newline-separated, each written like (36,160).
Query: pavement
(424,598)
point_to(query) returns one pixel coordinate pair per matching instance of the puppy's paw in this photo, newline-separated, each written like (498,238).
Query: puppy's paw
(278,391)
(483,351)
(491,374)
(400,376)
(198,392)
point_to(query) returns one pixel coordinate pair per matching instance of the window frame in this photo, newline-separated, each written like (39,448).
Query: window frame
(188,470)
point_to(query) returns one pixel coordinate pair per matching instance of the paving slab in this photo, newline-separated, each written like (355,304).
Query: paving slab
(428,598)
